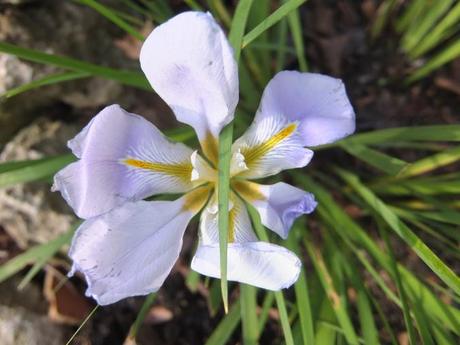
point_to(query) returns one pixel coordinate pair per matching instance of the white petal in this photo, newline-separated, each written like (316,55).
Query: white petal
(190,64)
(131,250)
(318,102)
(271,144)
(240,229)
(279,204)
(123,157)
(261,264)
(202,172)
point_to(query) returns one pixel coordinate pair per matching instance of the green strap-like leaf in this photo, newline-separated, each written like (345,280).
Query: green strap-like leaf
(225,148)
(131,78)
(417,245)
(271,20)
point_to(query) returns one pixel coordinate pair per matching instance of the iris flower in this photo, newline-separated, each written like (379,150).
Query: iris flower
(127,246)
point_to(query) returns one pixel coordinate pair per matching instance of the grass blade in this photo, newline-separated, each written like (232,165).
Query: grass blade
(438,34)
(141,316)
(226,327)
(446,55)
(279,297)
(35,254)
(271,20)
(266,305)
(82,324)
(402,134)
(288,338)
(48,80)
(295,26)
(302,295)
(335,299)
(131,78)
(225,145)
(248,314)
(334,215)
(419,247)
(399,286)
(33,170)
(431,163)
(112,16)
(381,161)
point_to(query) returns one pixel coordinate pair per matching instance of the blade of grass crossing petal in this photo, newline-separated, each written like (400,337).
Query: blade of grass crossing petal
(420,248)
(135,327)
(399,286)
(225,144)
(337,303)
(48,80)
(36,170)
(112,16)
(226,327)
(295,27)
(302,295)
(433,162)
(279,297)
(131,78)
(34,254)
(271,20)
(381,161)
(248,314)
(447,54)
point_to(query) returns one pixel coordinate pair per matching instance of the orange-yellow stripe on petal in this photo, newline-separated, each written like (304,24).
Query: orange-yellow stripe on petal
(249,191)
(253,154)
(182,171)
(195,200)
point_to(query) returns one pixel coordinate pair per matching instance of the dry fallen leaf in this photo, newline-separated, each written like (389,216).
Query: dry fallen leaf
(66,304)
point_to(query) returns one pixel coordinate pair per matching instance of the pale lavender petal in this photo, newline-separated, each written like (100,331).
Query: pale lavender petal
(260,264)
(123,157)
(279,204)
(318,102)
(130,250)
(270,145)
(240,229)
(190,64)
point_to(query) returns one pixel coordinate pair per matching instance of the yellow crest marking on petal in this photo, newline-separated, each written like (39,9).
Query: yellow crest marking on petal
(253,154)
(231,223)
(180,170)
(210,147)
(195,200)
(250,191)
